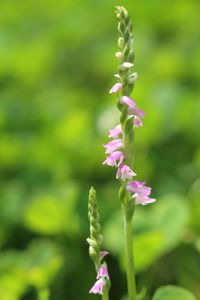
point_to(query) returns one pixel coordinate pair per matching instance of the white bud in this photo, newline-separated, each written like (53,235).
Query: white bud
(126,65)
(132,77)
(119,55)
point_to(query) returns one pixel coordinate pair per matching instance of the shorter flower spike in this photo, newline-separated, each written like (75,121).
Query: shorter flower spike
(95,239)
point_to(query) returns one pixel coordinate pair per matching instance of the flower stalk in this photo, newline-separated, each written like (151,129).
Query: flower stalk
(102,285)
(119,153)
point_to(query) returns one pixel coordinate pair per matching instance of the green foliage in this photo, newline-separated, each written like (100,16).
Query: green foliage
(57,61)
(173,293)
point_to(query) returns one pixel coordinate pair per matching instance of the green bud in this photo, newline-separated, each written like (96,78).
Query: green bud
(121,42)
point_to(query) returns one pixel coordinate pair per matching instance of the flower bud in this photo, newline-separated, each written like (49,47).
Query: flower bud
(121,43)
(126,65)
(131,42)
(119,55)
(132,77)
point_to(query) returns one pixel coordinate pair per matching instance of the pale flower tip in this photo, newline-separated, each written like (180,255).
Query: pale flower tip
(117,76)
(103,254)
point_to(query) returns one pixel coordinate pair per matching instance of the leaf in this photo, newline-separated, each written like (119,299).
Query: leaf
(147,248)
(173,293)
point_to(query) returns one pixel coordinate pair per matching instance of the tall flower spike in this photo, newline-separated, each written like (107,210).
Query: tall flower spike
(95,239)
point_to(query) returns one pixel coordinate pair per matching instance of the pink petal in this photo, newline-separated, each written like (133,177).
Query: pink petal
(117,87)
(112,159)
(103,254)
(103,272)
(137,122)
(137,112)
(113,133)
(98,287)
(127,100)
(124,172)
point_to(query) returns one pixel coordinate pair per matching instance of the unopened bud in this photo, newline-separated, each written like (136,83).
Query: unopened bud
(131,42)
(125,65)
(132,77)
(121,43)
(119,55)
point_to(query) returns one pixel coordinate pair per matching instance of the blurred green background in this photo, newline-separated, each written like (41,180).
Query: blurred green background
(56,67)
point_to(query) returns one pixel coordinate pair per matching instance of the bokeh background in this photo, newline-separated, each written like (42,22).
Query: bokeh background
(56,67)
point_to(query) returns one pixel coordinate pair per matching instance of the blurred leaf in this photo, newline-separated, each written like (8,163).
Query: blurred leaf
(173,293)
(52,214)
(148,240)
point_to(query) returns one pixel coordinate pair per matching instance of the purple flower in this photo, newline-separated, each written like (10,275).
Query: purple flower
(116,87)
(113,133)
(137,187)
(103,254)
(113,145)
(124,172)
(103,272)
(112,159)
(127,100)
(98,287)
(137,122)
(136,112)
(141,192)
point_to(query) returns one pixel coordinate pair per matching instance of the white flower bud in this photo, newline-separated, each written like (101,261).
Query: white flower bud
(126,65)
(119,55)
(132,77)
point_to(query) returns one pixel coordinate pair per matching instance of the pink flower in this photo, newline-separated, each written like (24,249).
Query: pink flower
(113,145)
(113,133)
(143,200)
(138,187)
(124,172)
(103,254)
(98,287)
(127,100)
(116,87)
(137,122)
(136,112)
(103,272)
(112,159)
(141,192)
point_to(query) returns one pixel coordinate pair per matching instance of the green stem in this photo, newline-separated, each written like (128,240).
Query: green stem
(130,270)
(105,296)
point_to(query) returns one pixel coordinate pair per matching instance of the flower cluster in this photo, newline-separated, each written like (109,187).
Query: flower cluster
(102,276)
(115,148)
